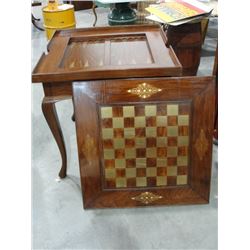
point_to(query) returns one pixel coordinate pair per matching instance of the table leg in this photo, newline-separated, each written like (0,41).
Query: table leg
(93,8)
(50,114)
(215,73)
(33,20)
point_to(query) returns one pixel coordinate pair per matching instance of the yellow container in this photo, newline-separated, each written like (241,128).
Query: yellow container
(63,17)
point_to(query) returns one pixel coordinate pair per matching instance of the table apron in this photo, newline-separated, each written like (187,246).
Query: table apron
(62,90)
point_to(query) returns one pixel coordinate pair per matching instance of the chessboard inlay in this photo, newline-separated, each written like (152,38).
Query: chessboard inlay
(145,145)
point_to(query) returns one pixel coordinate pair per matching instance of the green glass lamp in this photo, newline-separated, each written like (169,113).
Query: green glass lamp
(122,13)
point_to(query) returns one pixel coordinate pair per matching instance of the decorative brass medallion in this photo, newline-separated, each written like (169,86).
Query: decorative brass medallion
(147,197)
(144,90)
(201,144)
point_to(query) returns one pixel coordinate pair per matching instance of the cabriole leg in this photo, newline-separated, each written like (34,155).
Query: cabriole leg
(50,114)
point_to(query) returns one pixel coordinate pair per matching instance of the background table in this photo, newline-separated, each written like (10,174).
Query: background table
(121,13)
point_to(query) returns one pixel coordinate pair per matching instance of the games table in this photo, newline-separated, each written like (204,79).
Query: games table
(144,133)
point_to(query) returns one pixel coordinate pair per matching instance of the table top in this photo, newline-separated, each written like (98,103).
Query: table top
(106,53)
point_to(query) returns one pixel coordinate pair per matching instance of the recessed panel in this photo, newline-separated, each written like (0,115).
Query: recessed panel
(84,54)
(109,51)
(145,145)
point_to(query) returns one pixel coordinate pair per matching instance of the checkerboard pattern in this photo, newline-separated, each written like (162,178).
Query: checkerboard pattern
(145,145)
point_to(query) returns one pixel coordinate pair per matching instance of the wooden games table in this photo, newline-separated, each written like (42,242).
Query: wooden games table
(96,54)
(144,133)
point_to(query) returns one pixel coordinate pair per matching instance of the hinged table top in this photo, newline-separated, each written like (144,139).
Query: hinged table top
(107,53)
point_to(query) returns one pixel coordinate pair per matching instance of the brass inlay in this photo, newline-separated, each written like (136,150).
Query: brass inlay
(150,131)
(129,132)
(172,131)
(121,182)
(141,181)
(171,171)
(109,154)
(118,122)
(161,141)
(161,180)
(161,121)
(140,122)
(119,143)
(107,133)
(72,65)
(183,120)
(110,173)
(86,64)
(181,179)
(151,152)
(120,163)
(161,162)
(182,161)
(130,153)
(201,144)
(144,90)
(182,140)
(130,172)
(172,151)
(151,172)
(140,142)
(172,109)
(150,110)
(147,197)
(140,162)
(106,112)
(128,111)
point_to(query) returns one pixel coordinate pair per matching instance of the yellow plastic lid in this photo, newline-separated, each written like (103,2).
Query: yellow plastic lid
(61,7)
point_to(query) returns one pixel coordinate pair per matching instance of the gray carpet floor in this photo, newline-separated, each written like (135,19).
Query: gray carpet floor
(58,218)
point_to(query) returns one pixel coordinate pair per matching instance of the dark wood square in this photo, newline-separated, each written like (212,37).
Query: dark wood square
(151,142)
(129,143)
(140,152)
(151,162)
(117,111)
(129,122)
(140,132)
(172,141)
(150,121)
(172,120)
(118,133)
(130,163)
(161,110)
(141,172)
(161,131)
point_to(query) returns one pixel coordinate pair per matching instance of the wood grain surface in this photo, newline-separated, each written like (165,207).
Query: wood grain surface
(107,53)
(88,98)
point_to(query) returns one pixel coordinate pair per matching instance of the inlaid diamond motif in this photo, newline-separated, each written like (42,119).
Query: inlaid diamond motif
(144,90)
(147,197)
(201,144)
